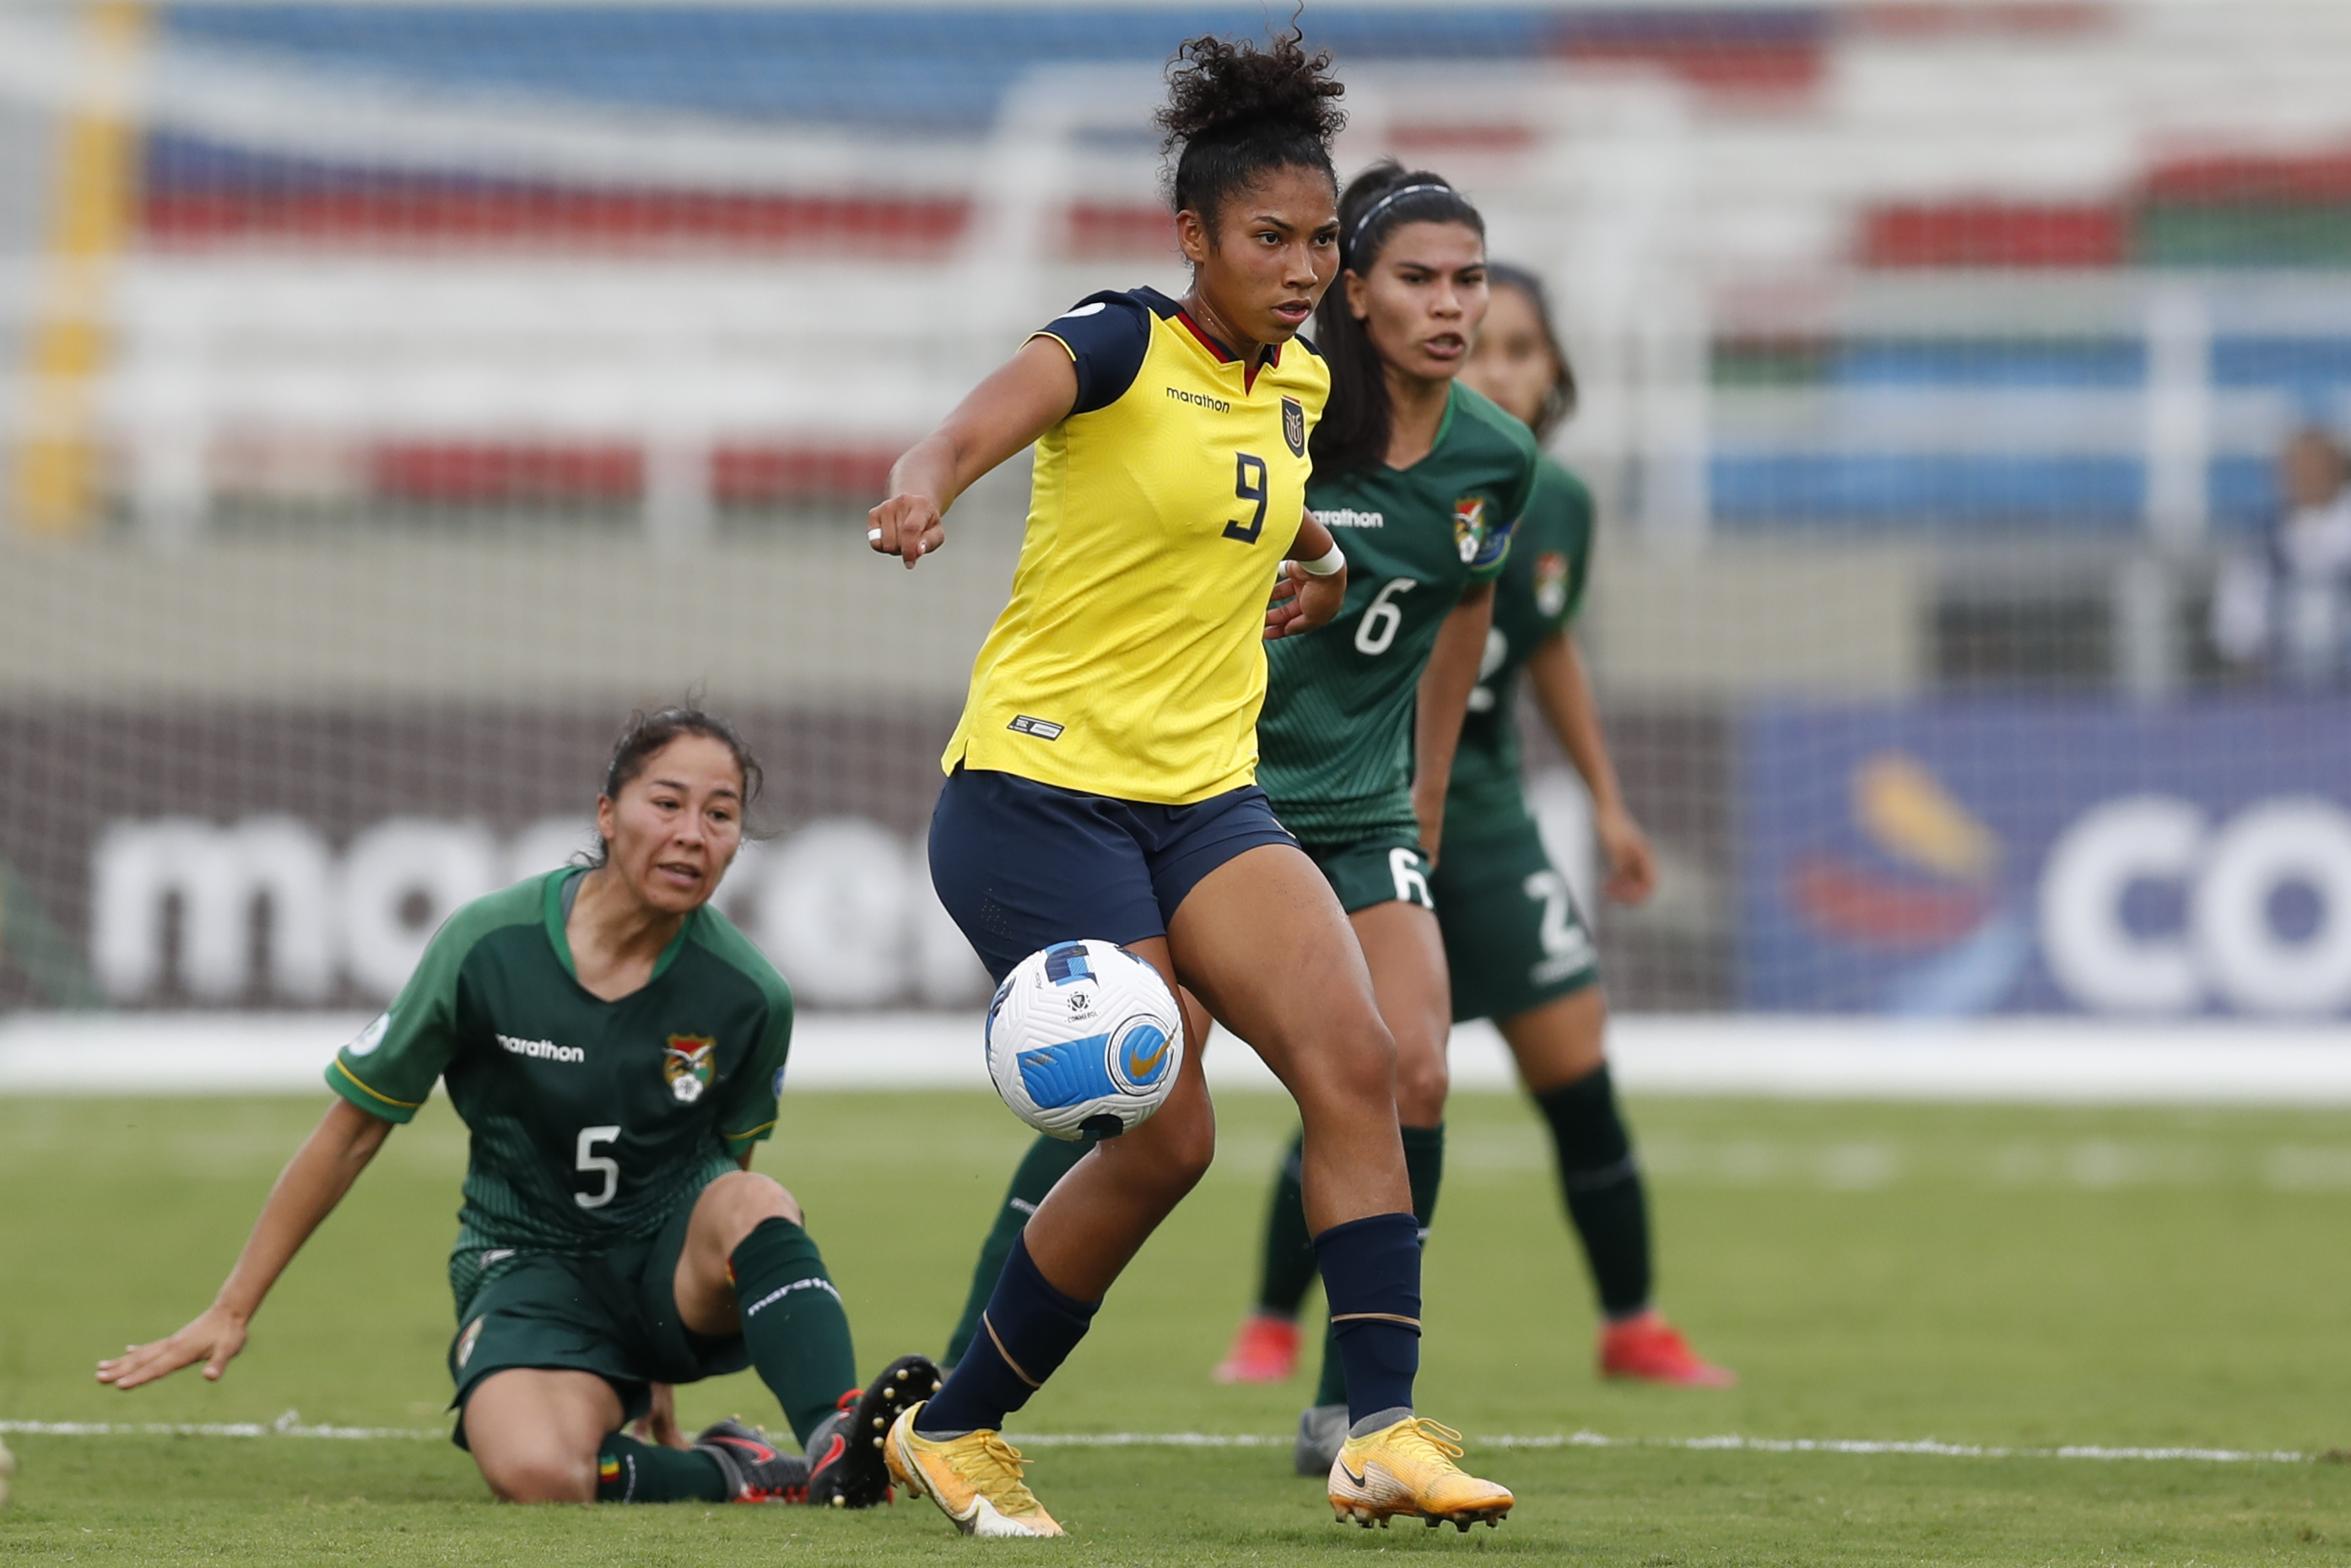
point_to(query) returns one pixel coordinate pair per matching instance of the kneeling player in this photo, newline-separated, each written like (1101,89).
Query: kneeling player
(615,1047)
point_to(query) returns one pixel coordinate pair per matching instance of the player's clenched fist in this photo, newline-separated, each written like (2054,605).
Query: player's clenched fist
(906,526)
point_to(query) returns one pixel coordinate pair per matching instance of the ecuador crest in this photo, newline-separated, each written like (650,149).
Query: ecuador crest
(686,1063)
(1293,425)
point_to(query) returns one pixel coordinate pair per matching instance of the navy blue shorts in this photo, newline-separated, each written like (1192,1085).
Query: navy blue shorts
(1022,866)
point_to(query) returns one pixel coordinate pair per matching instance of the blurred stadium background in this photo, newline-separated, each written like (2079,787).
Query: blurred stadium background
(396,393)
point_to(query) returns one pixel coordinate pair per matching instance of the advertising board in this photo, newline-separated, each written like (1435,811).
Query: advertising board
(279,857)
(2006,856)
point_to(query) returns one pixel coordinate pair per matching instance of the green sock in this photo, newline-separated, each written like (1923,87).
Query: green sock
(793,1322)
(1601,1182)
(1287,1269)
(1046,1163)
(1423,1168)
(631,1471)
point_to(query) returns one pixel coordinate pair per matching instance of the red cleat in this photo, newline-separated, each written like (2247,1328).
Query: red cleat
(1651,1350)
(1265,1350)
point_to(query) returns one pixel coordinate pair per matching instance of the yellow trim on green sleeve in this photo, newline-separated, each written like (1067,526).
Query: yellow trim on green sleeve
(761,1131)
(337,1066)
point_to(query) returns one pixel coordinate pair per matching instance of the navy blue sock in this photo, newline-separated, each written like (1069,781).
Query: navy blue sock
(1371,1278)
(1027,1331)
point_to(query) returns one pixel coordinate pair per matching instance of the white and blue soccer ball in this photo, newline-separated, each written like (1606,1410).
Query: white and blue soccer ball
(1084,1039)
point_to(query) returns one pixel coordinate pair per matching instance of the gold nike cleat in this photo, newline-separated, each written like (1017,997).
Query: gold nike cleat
(974,1479)
(1408,1469)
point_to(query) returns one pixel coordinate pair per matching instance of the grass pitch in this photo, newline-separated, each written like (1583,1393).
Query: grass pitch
(2011,1279)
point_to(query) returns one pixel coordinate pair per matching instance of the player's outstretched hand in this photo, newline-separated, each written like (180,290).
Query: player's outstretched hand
(214,1338)
(1302,601)
(908,527)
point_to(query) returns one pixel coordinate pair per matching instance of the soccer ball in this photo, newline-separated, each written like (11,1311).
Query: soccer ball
(1083,1040)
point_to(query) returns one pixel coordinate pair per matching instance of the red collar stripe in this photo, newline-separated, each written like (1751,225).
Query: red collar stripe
(1224,357)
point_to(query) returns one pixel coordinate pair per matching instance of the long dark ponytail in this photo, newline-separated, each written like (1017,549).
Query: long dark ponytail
(1352,436)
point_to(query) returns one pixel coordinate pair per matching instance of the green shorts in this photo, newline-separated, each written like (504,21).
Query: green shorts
(613,1313)
(1513,936)
(1386,867)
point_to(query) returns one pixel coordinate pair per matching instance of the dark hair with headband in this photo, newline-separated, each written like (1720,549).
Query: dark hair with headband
(1238,111)
(1353,433)
(1560,401)
(646,735)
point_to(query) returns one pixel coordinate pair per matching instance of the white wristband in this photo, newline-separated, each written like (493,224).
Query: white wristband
(1329,563)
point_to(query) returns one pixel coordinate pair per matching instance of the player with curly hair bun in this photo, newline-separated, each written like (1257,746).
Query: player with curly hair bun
(1102,780)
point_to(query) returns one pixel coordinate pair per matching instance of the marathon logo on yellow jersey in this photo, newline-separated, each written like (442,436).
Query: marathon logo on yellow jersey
(1213,405)
(1043,728)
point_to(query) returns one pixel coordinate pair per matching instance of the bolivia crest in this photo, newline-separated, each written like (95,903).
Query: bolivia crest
(1551,583)
(1293,425)
(1469,526)
(687,1064)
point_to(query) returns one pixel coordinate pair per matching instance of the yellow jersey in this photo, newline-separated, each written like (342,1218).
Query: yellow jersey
(1130,660)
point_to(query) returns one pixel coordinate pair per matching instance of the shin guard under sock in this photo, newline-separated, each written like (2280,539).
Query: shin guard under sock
(1287,1268)
(1371,1274)
(1027,1331)
(1046,1163)
(1423,1168)
(1601,1183)
(631,1471)
(793,1323)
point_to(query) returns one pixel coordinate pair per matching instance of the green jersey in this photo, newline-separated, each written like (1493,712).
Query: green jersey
(1334,740)
(590,1120)
(1539,594)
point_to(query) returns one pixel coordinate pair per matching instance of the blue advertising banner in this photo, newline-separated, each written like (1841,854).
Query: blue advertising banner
(1948,859)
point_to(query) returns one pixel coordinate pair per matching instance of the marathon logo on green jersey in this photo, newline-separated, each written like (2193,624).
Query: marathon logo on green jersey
(1348,517)
(542,1050)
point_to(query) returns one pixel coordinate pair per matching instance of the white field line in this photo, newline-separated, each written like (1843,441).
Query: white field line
(291,1425)
(2019,1059)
